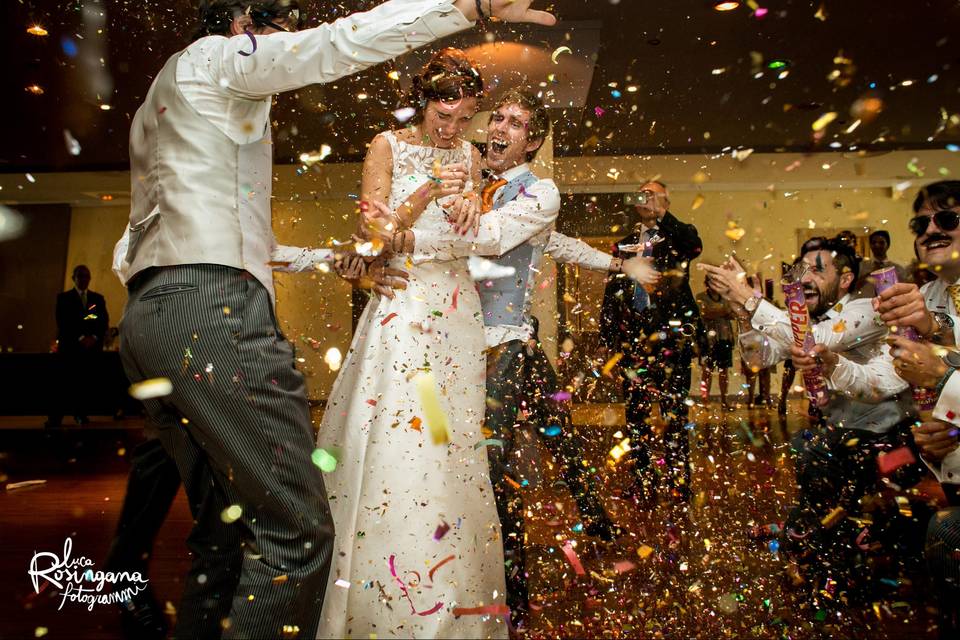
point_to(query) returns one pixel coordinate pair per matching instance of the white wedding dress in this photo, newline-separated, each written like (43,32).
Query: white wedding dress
(392,487)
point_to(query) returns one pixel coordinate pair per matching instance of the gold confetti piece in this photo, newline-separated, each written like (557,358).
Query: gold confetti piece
(39,632)
(35,89)
(152,388)
(840,327)
(611,363)
(432,411)
(280,579)
(37,30)
(620,449)
(415,424)
(558,51)
(644,551)
(821,122)
(832,518)
(700,177)
(735,233)
(698,201)
(226,311)
(394,75)
(821,14)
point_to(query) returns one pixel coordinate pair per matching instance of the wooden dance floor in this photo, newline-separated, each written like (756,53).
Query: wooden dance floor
(673,575)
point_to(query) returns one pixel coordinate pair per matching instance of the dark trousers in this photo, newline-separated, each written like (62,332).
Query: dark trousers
(519,376)
(663,376)
(74,367)
(237,424)
(942,553)
(151,488)
(837,468)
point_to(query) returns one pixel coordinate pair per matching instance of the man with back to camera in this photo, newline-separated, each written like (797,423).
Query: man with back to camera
(201,292)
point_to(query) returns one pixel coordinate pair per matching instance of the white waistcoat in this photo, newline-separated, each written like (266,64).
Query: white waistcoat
(198,197)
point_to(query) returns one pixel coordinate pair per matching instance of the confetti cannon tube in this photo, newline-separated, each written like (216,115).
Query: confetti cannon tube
(883,280)
(803,337)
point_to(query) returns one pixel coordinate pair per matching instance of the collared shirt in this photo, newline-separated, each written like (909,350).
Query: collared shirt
(283,258)
(864,370)
(234,91)
(937,298)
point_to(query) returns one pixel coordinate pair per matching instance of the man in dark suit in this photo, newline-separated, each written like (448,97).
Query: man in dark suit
(82,324)
(655,330)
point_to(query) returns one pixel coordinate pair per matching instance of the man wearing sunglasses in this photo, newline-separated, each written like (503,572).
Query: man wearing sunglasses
(201,296)
(933,311)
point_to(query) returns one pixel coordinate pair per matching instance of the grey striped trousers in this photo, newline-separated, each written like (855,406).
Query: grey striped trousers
(238,426)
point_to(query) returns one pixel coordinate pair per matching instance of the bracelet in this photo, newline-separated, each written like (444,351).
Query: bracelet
(943,380)
(616,265)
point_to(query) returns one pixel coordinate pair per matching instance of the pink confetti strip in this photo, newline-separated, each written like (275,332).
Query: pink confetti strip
(573,558)
(456,294)
(441,531)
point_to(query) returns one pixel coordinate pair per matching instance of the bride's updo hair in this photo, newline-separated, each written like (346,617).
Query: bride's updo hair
(448,77)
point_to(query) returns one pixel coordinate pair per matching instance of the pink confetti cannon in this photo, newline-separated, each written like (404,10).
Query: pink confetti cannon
(803,337)
(883,279)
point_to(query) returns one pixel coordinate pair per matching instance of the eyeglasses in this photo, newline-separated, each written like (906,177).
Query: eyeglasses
(947,220)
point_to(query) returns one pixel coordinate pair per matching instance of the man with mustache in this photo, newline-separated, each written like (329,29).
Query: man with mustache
(933,311)
(869,408)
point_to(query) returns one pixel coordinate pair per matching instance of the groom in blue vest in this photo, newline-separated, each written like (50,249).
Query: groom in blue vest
(521,382)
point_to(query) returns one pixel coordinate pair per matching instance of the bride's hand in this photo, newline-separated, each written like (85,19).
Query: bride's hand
(464,214)
(377,222)
(350,267)
(449,180)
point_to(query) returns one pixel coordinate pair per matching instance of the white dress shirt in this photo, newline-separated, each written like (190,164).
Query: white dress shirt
(527,218)
(233,91)
(283,258)
(567,250)
(864,370)
(937,298)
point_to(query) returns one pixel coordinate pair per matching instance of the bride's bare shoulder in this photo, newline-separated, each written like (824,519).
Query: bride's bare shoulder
(407,134)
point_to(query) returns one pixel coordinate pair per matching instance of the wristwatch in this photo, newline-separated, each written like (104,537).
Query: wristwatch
(751,303)
(943,325)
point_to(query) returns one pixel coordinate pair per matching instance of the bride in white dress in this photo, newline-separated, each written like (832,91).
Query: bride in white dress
(418,552)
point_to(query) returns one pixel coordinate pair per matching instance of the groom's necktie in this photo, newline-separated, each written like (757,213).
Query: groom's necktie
(641,299)
(488,192)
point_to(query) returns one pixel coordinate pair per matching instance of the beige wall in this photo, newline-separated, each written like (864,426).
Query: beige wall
(759,195)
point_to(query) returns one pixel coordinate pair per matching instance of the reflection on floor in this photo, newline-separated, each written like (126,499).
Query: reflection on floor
(675,573)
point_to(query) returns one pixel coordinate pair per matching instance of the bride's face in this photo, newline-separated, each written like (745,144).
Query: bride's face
(443,122)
